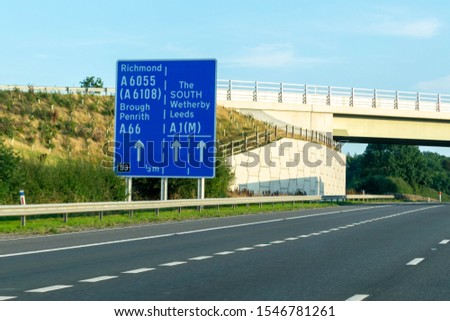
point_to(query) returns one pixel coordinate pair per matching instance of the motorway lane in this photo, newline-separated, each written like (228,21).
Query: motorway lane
(328,254)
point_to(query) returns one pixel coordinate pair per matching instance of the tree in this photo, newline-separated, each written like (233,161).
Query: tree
(9,169)
(91,82)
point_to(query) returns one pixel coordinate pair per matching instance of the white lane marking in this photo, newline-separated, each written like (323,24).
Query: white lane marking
(204,230)
(305,236)
(291,238)
(141,270)
(99,279)
(444,241)
(4,298)
(262,245)
(65,248)
(415,261)
(278,242)
(173,263)
(224,253)
(243,249)
(200,258)
(50,288)
(358,297)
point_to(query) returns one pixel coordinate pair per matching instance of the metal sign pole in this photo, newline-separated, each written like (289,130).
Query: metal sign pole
(129,188)
(201,190)
(164,183)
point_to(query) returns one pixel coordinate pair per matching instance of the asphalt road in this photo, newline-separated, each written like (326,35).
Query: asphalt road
(379,252)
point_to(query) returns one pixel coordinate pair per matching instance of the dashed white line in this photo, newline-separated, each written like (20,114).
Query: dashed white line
(224,253)
(173,263)
(50,288)
(141,270)
(444,242)
(200,258)
(262,245)
(291,238)
(4,298)
(278,242)
(99,279)
(358,297)
(415,261)
(243,249)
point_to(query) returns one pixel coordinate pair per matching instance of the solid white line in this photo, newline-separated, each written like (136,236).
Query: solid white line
(173,263)
(141,270)
(444,241)
(200,258)
(173,234)
(358,297)
(99,279)
(243,249)
(224,253)
(415,261)
(85,245)
(50,288)
(197,231)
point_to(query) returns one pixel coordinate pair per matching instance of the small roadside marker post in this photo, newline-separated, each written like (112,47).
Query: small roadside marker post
(23,220)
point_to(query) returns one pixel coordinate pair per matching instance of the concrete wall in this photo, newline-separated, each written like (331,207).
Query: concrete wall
(311,117)
(288,166)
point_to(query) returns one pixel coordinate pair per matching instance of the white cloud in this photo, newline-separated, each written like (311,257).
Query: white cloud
(441,84)
(424,28)
(270,56)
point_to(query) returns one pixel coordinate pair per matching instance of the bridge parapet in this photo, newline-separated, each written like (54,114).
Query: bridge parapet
(294,93)
(331,96)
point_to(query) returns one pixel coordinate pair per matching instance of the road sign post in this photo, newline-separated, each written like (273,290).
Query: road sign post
(165,119)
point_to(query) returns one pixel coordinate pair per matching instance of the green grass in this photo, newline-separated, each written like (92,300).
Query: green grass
(54,224)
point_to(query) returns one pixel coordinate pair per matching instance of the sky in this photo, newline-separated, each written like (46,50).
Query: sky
(394,45)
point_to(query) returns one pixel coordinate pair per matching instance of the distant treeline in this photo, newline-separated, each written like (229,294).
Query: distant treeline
(402,169)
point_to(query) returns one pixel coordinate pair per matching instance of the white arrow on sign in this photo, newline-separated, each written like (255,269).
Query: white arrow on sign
(201,146)
(176,148)
(139,145)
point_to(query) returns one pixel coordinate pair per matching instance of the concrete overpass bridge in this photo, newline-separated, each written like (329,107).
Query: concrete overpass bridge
(352,114)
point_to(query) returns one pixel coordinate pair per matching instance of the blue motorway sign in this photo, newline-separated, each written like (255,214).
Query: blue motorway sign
(165,118)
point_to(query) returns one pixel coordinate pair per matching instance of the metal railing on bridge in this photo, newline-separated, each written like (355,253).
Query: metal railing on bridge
(271,134)
(294,93)
(331,96)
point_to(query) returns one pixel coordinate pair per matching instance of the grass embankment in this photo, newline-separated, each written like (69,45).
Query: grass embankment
(54,224)
(53,125)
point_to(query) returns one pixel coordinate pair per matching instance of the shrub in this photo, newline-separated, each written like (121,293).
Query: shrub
(67,181)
